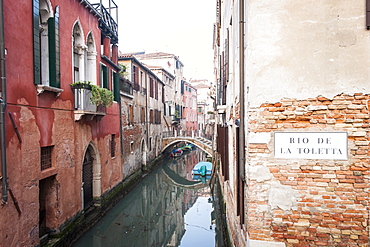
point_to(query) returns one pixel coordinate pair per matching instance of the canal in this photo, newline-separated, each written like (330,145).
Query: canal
(169,207)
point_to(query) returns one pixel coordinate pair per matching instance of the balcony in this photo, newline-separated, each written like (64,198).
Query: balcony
(84,107)
(126,88)
(108,19)
(175,120)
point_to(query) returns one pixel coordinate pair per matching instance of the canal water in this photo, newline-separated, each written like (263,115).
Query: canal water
(168,208)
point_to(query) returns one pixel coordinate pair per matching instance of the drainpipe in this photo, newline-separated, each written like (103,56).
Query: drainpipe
(3,107)
(242,94)
(146,116)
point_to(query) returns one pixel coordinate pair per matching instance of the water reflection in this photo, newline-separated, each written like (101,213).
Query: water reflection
(168,208)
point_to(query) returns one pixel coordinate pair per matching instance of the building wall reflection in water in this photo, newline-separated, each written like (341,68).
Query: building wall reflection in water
(153,213)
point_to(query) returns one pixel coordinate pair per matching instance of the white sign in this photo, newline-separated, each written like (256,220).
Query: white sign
(311,145)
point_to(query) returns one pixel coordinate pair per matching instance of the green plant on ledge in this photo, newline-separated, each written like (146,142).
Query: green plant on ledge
(99,96)
(81,84)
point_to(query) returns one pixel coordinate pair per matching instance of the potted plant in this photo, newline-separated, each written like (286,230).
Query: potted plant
(101,96)
(81,85)
(98,96)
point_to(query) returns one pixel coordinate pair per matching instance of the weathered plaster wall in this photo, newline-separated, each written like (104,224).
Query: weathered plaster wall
(46,120)
(305,49)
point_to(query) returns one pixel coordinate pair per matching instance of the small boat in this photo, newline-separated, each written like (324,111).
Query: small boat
(176,153)
(186,148)
(202,168)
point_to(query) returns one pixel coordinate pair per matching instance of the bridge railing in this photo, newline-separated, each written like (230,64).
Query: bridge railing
(183,133)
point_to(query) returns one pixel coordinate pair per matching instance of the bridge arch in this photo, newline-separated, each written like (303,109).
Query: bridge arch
(167,142)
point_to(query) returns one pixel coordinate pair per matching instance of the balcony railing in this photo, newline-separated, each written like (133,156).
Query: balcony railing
(126,86)
(107,24)
(83,105)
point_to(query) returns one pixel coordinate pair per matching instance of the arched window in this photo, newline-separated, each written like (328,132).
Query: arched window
(91,59)
(78,53)
(46,44)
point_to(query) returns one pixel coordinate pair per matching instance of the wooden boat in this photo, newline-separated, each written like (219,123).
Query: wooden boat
(186,148)
(176,153)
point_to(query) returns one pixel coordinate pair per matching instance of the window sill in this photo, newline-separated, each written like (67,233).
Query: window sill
(43,88)
(48,172)
(89,115)
(127,95)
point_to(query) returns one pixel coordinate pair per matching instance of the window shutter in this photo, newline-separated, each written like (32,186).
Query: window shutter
(104,71)
(36,43)
(116,87)
(151,82)
(54,51)
(163,95)
(368,14)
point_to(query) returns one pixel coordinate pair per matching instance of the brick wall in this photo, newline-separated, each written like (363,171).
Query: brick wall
(310,202)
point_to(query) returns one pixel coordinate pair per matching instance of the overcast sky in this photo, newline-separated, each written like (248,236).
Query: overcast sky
(180,27)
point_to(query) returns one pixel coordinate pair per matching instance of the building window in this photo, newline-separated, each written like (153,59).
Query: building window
(156,90)
(104,76)
(46,157)
(142,115)
(131,114)
(163,94)
(135,77)
(151,84)
(91,72)
(126,86)
(46,44)
(116,87)
(151,116)
(141,79)
(113,146)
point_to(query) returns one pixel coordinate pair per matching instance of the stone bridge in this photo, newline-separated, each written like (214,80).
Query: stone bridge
(200,142)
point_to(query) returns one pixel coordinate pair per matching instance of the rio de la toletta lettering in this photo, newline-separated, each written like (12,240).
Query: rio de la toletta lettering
(311,145)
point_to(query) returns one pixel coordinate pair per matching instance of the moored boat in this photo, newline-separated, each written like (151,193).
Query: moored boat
(176,152)
(202,168)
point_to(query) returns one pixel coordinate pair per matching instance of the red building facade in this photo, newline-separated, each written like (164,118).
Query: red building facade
(61,152)
(189,112)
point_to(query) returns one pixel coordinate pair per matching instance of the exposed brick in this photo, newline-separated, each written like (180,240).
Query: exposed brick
(332,207)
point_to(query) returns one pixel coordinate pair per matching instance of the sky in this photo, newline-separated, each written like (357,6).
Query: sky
(180,27)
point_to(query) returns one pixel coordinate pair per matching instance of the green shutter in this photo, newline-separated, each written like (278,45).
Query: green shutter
(36,43)
(116,87)
(54,51)
(105,77)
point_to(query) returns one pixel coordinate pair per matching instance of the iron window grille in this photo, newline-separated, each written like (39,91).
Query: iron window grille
(46,157)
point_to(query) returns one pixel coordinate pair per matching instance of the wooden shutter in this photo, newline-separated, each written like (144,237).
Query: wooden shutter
(151,116)
(156,90)
(151,87)
(240,183)
(163,94)
(142,115)
(54,51)
(36,43)
(131,114)
(222,149)
(104,71)
(368,14)
(116,87)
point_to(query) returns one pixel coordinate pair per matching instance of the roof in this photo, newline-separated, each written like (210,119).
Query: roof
(154,55)
(143,66)
(157,55)
(201,85)
(151,67)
